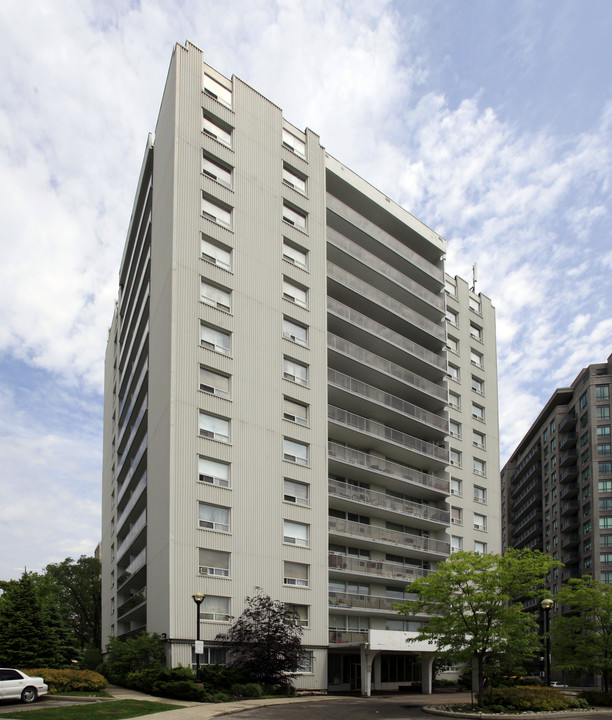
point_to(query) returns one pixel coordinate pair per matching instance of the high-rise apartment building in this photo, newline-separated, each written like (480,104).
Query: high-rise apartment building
(276,393)
(473,420)
(557,484)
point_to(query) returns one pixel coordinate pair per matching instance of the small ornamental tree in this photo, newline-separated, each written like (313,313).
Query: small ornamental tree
(265,641)
(475,608)
(582,639)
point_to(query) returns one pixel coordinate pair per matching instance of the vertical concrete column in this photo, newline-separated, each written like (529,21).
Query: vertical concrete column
(427,673)
(367,660)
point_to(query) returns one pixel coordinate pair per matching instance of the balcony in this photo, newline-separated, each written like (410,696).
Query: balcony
(568,422)
(520,481)
(537,512)
(570,507)
(363,391)
(372,361)
(429,270)
(407,509)
(362,567)
(570,541)
(568,473)
(532,455)
(363,323)
(353,601)
(568,458)
(137,599)
(135,565)
(403,542)
(569,490)
(123,513)
(367,296)
(126,542)
(375,430)
(570,523)
(337,637)
(402,473)
(527,534)
(567,440)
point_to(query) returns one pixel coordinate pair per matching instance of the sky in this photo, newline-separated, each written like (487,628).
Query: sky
(489,120)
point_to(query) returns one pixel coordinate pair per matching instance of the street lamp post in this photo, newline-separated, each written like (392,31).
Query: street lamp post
(546,604)
(198,599)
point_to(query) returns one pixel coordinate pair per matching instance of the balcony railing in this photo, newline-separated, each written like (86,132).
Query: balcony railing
(357,387)
(568,422)
(371,427)
(368,602)
(135,530)
(124,513)
(359,221)
(137,563)
(388,271)
(136,600)
(401,472)
(347,636)
(376,499)
(403,541)
(389,303)
(376,568)
(534,452)
(370,359)
(335,307)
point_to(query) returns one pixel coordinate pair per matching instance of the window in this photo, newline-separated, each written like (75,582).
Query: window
(478,439)
(296,452)
(455,458)
(604,449)
(454,428)
(216,253)
(217,130)
(213,517)
(294,293)
(210,656)
(298,612)
(606,577)
(215,170)
(605,540)
(603,412)
(605,468)
(474,304)
(213,472)
(216,296)
(456,543)
(294,217)
(293,179)
(480,547)
(214,427)
(294,331)
(215,608)
(480,494)
(605,523)
(584,439)
(480,522)
(603,431)
(605,504)
(475,332)
(476,358)
(295,254)
(456,516)
(477,385)
(450,287)
(456,487)
(602,392)
(215,339)
(295,574)
(295,533)
(454,400)
(452,317)
(294,143)
(295,411)
(215,211)
(604,486)
(306,660)
(453,372)
(214,562)
(586,528)
(477,412)
(214,382)
(217,91)
(452,344)
(605,558)
(480,467)
(296,492)
(403,625)
(295,371)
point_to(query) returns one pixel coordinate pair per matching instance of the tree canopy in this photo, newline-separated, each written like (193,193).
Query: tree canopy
(475,607)
(582,639)
(265,641)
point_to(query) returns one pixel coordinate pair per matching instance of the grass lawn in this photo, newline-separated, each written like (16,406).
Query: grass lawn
(117,710)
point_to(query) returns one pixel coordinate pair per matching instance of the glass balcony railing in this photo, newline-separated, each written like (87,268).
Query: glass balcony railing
(376,568)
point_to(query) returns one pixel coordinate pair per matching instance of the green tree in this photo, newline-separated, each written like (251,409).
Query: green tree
(265,641)
(75,585)
(24,639)
(475,609)
(583,637)
(133,654)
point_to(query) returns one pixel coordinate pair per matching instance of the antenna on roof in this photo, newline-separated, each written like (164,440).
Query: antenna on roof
(474,276)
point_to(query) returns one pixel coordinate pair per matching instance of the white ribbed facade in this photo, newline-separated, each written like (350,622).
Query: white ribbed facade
(276,392)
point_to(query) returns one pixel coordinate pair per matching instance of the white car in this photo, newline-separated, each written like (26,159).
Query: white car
(15,685)
(554,683)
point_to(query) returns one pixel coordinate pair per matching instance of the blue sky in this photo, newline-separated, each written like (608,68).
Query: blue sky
(489,120)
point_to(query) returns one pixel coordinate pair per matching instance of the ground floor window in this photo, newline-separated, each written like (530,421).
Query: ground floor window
(210,656)
(400,668)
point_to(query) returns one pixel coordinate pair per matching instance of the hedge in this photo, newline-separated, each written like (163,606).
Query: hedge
(61,681)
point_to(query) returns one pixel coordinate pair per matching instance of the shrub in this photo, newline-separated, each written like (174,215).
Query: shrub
(178,683)
(61,681)
(180,690)
(529,699)
(253,690)
(597,698)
